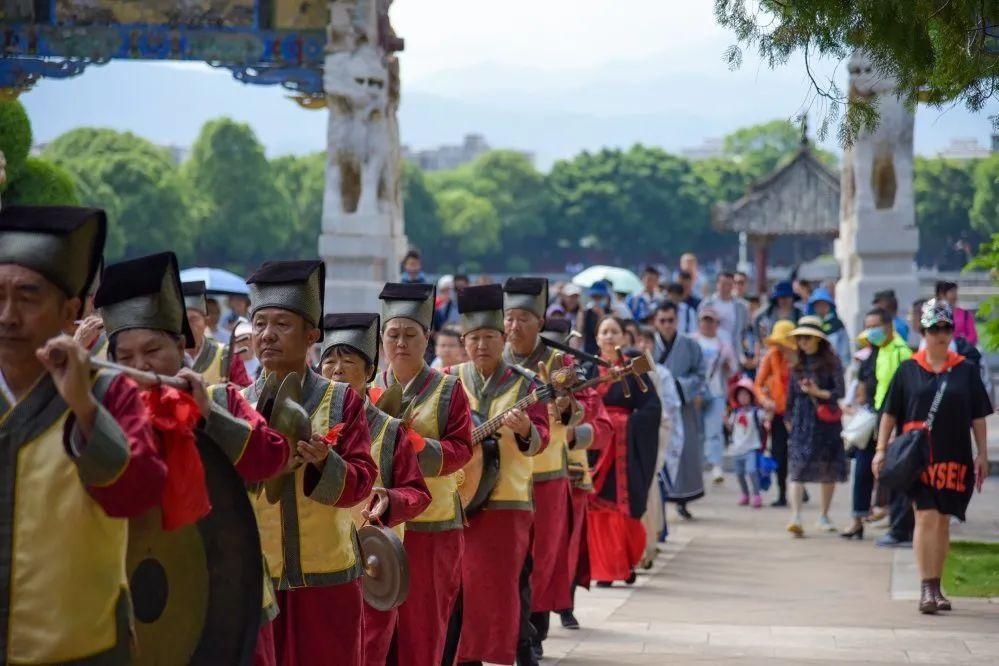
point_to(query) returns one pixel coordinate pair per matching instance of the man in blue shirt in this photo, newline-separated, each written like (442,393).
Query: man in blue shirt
(644,304)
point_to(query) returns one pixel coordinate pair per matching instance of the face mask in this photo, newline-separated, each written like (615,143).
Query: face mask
(876,336)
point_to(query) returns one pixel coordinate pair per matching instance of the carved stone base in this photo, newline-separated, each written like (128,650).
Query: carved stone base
(874,255)
(361,254)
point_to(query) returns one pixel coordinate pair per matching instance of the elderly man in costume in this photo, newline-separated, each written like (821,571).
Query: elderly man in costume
(350,355)
(308,533)
(212,360)
(78,451)
(525,302)
(436,408)
(495,613)
(143,309)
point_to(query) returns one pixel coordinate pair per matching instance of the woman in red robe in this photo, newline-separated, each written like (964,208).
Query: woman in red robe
(622,470)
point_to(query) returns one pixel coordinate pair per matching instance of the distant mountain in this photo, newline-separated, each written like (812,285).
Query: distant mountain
(553,114)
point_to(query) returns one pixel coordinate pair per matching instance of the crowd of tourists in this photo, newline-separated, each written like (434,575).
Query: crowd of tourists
(429,482)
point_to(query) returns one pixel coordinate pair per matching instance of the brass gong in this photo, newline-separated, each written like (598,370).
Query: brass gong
(196,590)
(386,567)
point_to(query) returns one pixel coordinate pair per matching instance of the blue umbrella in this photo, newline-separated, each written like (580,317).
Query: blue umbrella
(216,280)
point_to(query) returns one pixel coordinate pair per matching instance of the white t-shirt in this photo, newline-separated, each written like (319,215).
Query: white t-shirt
(745,432)
(712,348)
(726,312)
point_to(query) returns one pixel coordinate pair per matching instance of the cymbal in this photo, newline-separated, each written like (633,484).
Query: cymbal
(386,567)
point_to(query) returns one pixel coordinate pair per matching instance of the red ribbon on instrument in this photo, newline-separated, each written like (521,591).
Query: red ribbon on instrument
(173,415)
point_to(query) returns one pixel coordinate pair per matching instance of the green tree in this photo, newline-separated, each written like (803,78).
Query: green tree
(988,259)
(933,47)
(303,180)
(15,137)
(985,208)
(424,226)
(41,183)
(246,215)
(944,191)
(136,183)
(471,224)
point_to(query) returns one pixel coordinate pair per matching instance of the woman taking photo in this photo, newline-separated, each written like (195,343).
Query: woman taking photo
(623,468)
(815,449)
(945,486)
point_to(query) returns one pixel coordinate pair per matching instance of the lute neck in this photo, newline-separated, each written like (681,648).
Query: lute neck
(489,427)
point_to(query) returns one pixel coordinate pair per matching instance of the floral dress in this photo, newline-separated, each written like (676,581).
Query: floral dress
(815,447)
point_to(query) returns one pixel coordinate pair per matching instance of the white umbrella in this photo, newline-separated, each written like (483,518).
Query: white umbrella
(623,280)
(217,281)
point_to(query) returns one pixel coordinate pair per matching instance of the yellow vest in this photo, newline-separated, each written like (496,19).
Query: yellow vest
(552,463)
(383,430)
(514,488)
(67,598)
(209,361)
(427,400)
(306,543)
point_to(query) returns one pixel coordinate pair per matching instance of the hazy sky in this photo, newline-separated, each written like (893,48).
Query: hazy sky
(550,76)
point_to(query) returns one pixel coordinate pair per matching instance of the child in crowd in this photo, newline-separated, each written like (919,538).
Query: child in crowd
(745,424)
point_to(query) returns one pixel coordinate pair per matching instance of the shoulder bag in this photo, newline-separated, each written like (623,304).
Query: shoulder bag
(910,453)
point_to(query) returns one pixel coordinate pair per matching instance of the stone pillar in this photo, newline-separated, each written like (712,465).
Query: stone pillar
(878,238)
(363,234)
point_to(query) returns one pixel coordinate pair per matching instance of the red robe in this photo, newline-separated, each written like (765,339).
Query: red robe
(615,534)
(497,542)
(237,372)
(140,486)
(408,497)
(322,626)
(435,557)
(266,452)
(554,571)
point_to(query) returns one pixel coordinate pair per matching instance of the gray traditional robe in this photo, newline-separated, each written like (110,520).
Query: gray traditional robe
(686,363)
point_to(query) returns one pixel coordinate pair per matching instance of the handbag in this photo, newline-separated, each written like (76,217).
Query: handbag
(910,453)
(859,430)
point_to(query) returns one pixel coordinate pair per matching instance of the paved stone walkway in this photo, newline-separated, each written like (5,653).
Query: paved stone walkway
(732,587)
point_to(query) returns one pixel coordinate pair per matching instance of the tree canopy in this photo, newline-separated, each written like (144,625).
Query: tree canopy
(936,49)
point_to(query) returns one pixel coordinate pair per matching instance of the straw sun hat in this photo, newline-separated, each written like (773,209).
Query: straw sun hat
(810,326)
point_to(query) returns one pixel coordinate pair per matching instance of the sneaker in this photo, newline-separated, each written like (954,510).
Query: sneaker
(757,502)
(889,541)
(825,525)
(796,530)
(717,475)
(744,501)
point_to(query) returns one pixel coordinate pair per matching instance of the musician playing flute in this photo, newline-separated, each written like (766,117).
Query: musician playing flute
(212,359)
(496,568)
(436,408)
(525,302)
(350,355)
(79,456)
(308,535)
(143,308)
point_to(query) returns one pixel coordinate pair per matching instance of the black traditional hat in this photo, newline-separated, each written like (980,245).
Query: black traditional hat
(481,307)
(63,243)
(526,293)
(195,296)
(410,300)
(296,286)
(144,293)
(357,330)
(557,329)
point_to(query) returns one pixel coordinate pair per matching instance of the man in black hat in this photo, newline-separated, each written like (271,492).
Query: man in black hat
(350,355)
(525,302)
(78,453)
(209,355)
(308,535)
(496,608)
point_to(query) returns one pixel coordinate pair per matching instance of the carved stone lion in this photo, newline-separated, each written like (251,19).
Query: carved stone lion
(877,169)
(359,177)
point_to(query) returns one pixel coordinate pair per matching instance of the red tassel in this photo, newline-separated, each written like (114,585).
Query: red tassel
(185,495)
(333,435)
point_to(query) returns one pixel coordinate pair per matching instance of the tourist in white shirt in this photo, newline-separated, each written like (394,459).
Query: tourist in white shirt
(720,362)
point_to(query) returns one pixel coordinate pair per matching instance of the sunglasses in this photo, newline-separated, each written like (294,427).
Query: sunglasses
(940,328)
(664,320)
